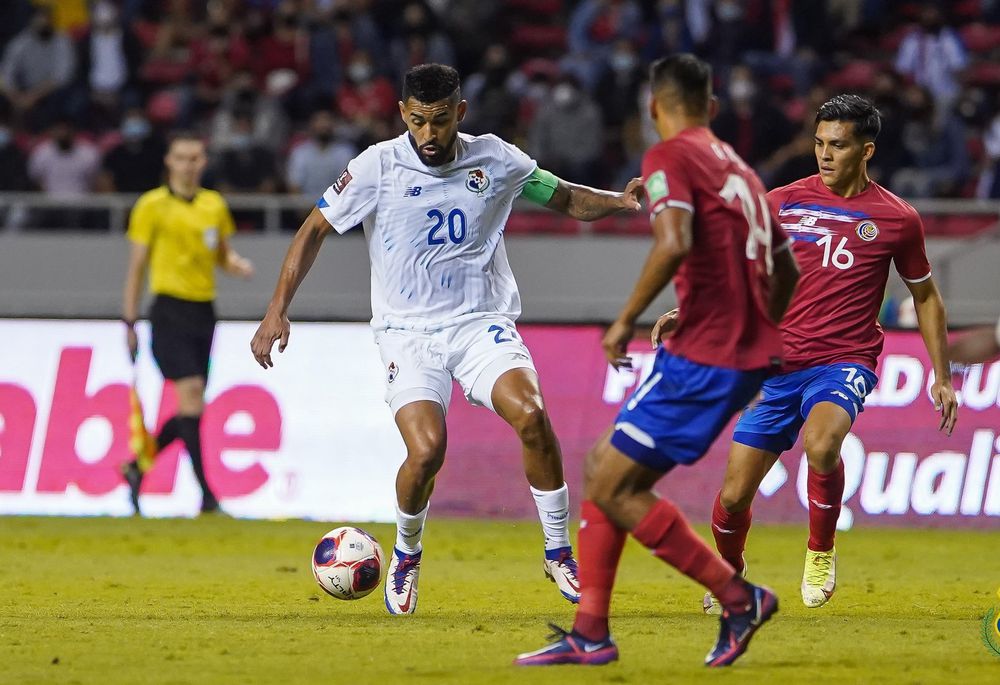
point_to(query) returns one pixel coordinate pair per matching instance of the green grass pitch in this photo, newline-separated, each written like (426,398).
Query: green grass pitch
(218,600)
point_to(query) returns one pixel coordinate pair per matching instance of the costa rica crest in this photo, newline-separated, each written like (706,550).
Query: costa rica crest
(477,182)
(867,230)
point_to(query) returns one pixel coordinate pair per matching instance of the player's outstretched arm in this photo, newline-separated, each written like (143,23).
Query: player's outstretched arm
(977,346)
(298,260)
(784,278)
(581,202)
(933,322)
(672,233)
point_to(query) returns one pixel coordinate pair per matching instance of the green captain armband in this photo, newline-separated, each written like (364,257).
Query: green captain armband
(541,186)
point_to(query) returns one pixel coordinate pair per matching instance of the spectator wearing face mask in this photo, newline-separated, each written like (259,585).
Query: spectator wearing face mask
(37,69)
(566,137)
(933,56)
(420,40)
(244,165)
(109,54)
(65,167)
(136,164)
(243,97)
(314,163)
(748,122)
(619,85)
(492,105)
(934,142)
(366,98)
(285,47)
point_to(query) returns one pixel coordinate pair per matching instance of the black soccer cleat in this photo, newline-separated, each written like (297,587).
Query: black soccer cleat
(133,476)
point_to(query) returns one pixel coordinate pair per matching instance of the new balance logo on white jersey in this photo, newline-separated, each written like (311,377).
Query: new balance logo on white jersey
(412,191)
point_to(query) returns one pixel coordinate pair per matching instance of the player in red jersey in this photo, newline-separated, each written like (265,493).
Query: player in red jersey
(846,230)
(734,276)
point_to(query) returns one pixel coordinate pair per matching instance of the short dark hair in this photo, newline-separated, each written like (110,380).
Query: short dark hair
(183,136)
(430,83)
(860,111)
(688,75)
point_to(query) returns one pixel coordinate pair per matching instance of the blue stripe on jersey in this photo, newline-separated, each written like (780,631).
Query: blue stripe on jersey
(825,208)
(322,203)
(805,237)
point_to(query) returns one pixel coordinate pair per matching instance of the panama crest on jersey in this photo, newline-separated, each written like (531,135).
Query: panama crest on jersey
(867,230)
(477,181)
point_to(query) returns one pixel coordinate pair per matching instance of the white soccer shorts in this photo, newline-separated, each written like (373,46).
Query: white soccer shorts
(421,366)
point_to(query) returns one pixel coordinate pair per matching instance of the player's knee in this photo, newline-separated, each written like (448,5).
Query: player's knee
(822,449)
(734,499)
(426,457)
(532,426)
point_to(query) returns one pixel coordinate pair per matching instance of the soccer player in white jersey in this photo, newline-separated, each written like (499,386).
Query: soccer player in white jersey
(434,203)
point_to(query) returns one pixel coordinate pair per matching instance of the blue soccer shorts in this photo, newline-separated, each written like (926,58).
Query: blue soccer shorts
(675,415)
(774,421)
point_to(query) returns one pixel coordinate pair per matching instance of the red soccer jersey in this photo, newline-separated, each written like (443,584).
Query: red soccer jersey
(844,247)
(722,286)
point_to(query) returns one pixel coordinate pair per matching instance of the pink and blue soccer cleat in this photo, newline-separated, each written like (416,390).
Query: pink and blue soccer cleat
(736,629)
(570,648)
(560,568)
(401,582)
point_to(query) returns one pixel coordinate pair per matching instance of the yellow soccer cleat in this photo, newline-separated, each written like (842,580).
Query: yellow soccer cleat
(819,579)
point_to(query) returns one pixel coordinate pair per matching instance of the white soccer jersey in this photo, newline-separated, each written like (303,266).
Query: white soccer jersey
(435,234)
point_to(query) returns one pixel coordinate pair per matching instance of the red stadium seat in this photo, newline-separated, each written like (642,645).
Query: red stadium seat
(537,39)
(967,9)
(980,37)
(891,41)
(622,225)
(525,223)
(535,8)
(857,75)
(956,226)
(983,74)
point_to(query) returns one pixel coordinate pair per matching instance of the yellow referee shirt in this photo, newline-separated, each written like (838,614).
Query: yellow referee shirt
(183,239)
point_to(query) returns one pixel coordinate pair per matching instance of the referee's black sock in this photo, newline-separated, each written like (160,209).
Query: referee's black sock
(189,428)
(170,431)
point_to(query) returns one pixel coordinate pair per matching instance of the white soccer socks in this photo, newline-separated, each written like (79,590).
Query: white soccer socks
(409,530)
(553,512)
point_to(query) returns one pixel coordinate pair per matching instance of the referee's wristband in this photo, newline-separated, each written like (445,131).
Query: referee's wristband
(128,322)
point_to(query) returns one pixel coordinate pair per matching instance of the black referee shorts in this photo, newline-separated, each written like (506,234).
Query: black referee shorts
(182,336)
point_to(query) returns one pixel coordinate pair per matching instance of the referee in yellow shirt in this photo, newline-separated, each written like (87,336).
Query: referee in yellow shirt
(180,232)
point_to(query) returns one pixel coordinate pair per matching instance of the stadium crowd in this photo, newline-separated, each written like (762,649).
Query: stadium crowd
(285,92)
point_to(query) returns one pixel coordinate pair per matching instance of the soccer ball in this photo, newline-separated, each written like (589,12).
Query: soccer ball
(347,563)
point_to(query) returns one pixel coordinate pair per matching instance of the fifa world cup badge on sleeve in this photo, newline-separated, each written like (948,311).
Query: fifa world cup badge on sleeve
(991,629)
(341,183)
(656,187)
(393,371)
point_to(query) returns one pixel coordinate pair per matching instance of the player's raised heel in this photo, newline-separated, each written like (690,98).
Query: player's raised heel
(570,648)
(819,579)
(401,582)
(560,567)
(710,605)
(736,629)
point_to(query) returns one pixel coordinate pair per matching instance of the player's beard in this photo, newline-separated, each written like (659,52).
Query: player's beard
(443,154)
